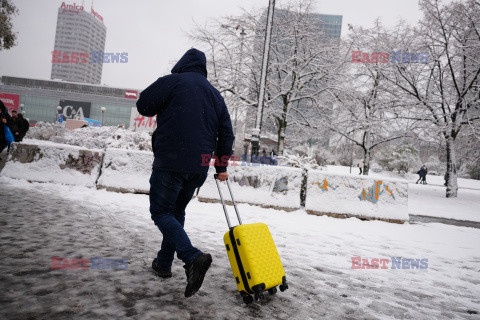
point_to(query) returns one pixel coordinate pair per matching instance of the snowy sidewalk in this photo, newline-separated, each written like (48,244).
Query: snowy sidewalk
(40,221)
(428,200)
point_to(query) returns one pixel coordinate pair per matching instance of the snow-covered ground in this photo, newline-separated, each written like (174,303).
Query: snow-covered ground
(430,200)
(410,177)
(40,221)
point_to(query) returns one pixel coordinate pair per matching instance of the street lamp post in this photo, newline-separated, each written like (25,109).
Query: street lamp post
(103,109)
(263,80)
(235,77)
(57,112)
(242,37)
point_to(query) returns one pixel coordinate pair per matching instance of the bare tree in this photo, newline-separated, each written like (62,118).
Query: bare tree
(443,93)
(302,61)
(365,114)
(302,67)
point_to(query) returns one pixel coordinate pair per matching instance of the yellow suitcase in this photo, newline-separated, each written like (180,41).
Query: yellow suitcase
(253,256)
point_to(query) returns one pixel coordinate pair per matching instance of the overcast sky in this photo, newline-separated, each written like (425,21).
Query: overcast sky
(153,32)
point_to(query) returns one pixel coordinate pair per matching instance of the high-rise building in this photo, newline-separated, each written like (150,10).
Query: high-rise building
(329,23)
(80,36)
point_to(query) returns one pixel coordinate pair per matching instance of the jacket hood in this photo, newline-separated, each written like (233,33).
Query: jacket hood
(192,61)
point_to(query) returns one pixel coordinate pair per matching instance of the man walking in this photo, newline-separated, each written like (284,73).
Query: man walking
(192,121)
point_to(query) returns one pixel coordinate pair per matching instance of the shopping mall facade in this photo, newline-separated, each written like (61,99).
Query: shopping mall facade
(44,100)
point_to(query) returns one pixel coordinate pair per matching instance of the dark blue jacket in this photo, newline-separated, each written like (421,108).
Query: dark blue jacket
(192,118)
(4,115)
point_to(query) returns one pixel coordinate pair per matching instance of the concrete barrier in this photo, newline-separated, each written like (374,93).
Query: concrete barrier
(266,186)
(276,187)
(363,197)
(126,171)
(44,161)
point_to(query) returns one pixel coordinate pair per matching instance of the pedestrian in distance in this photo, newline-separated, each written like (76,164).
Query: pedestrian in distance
(263,159)
(421,175)
(192,121)
(360,168)
(424,179)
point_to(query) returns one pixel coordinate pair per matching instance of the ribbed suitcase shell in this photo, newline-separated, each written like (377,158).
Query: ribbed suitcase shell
(254,251)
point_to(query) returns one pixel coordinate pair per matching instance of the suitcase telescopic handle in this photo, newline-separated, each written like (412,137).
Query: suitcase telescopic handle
(223,202)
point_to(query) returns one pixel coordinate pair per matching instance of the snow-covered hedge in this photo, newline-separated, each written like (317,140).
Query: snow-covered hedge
(45,161)
(126,170)
(358,196)
(92,137)
(267,186)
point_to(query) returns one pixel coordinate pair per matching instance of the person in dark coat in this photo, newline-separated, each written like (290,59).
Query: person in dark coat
(422,174)
(424,178)
(5,119)
(19,127)
(192,123)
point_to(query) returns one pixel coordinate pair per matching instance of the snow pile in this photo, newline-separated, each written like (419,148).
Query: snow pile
(46,161)
(267,186)
(92,137)
(126,170)
(359,196)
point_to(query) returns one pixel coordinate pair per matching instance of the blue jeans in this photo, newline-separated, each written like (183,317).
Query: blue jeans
(170,192)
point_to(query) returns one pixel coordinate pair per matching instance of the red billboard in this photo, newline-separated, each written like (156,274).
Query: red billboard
(10,101)
(131,94)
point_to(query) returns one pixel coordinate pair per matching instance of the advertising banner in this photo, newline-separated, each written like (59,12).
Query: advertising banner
(10,101)
(142,123)
(75,109)
(131,94)
(93,123)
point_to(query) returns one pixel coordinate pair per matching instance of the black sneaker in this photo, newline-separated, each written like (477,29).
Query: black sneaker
(196,273)
(162,273)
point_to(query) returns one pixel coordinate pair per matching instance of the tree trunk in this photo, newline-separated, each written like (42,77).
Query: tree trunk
(303,188)
(282,125)
(366,161)
(366,157)
(451,175)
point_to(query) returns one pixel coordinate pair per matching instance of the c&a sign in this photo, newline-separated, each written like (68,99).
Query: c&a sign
(75,109)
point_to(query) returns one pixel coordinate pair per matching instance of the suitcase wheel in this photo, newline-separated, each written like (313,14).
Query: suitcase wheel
(283,287)
(259,296)
(247,299)
(272,290)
